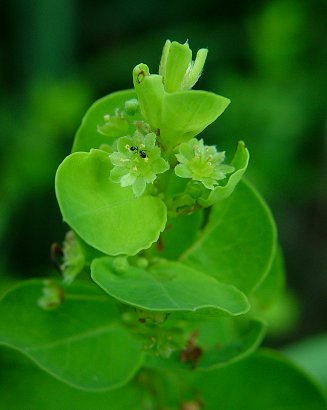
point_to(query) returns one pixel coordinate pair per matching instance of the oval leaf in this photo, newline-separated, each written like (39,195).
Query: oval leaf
(237,245)
(187,113)
(62,341)
(105,215)
(87,135)
(168,287)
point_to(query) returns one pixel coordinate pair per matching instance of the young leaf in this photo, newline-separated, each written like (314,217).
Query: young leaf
(88,135)
(105,215)
(168,287)
(237,245)
(80,342)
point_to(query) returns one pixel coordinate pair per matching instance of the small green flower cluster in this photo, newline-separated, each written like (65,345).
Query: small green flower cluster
(137,162)
(165,101)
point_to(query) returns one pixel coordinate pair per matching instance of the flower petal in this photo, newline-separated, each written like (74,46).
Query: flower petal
(182,171)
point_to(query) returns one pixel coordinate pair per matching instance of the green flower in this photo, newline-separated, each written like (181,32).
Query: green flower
(137,162)
(201,163)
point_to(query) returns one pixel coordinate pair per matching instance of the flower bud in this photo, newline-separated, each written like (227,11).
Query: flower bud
(131,106)
(177,69)
(120,264)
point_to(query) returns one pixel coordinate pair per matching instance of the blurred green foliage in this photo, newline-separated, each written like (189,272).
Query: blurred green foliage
(269,57)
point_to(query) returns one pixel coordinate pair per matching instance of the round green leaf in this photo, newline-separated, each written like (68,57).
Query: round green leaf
(237,245)
(88,136)
(105,215)
(168,287)
(265,380)
(80,342)
(187,113)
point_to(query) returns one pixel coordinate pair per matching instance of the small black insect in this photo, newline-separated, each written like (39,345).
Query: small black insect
(140,151)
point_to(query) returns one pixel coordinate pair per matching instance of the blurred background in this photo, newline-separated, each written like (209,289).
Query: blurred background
(269,57)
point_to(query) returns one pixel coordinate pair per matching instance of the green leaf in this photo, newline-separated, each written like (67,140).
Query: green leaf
(187,113)
(24,386)
(88,136)
(105,215)
(271,288)
(168,287)
(229,340)
(265,380)
(240,163)
(80,342)
(237,245)
(273,304)
(179,235)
